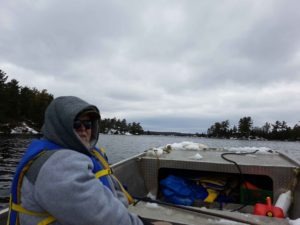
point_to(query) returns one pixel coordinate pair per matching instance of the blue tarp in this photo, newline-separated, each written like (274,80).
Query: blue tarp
(180,191)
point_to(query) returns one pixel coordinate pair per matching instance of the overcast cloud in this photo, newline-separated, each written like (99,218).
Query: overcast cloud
(171,65)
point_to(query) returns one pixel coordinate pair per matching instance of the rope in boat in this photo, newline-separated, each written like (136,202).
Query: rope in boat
(240,172)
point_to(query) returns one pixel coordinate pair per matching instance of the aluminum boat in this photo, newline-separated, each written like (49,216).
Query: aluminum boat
(244,178)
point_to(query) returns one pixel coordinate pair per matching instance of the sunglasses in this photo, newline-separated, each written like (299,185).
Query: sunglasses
(86,123)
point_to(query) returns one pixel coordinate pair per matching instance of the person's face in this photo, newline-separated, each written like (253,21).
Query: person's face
(83,127)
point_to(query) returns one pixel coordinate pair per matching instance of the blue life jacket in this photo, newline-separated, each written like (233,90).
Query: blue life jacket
(34,150)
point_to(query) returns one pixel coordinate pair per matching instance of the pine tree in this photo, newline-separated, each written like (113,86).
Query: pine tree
(3,98)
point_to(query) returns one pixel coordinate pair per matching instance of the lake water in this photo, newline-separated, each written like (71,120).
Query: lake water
(119,147)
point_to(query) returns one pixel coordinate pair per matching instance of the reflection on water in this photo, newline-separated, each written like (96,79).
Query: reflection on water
(118,147)
(11,151)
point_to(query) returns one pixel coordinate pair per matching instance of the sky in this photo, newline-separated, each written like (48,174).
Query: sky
(171,65)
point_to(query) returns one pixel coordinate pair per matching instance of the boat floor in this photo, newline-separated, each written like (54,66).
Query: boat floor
(180,216)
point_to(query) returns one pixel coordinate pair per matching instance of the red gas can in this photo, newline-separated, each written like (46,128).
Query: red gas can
(268,209)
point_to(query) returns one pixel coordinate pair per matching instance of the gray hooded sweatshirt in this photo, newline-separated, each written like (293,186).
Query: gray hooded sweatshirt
(62,182)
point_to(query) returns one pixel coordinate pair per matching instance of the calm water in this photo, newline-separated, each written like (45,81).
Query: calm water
(118,148)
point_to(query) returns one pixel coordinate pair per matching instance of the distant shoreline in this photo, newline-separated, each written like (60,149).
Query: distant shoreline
(156,133)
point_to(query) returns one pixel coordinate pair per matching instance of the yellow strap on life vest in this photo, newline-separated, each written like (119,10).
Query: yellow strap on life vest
(47,221)
(9,211)
(102,173)
(105,172)
(103,150)
(21,209)
(101,159)
(128,196)
(18,208)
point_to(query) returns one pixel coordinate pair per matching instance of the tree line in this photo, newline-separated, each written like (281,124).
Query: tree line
(117,126)
(20,104)
(23,104)
(245,129)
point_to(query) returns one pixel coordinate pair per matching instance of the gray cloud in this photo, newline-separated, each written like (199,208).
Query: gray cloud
(273,39)
(171,65)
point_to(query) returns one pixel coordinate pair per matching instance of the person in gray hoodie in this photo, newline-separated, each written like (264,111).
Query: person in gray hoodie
(61,182)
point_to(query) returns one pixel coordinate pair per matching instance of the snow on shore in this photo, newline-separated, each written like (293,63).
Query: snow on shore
(23,129)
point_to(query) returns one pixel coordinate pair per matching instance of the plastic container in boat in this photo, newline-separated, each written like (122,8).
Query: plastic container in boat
(284,202)
(268,209)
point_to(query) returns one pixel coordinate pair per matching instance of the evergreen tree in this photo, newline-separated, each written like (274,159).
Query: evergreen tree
(279,131)
(41,101)
(19,104)
(225,128)
(118,126)
(3,79)
(234,130)
(12,103)
(124,127)
(135,128)
(296,132)
(219,129)
(266,128)
(245,125)
(26,96)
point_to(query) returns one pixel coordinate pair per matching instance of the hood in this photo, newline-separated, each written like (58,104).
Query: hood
(58,123)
